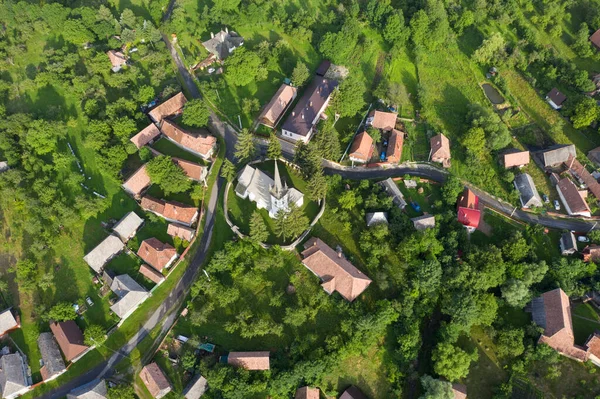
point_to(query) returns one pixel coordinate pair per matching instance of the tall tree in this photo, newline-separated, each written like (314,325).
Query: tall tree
(274,149)
(170,177)
(258,228)
(196,113)
(452,362)
(245,148)
(317,186)
(301,74)
(228,170)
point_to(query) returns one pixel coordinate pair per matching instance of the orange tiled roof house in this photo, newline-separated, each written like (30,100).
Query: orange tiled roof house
(552,312)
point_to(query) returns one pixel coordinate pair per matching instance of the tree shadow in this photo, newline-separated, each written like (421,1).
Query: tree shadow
(452,109)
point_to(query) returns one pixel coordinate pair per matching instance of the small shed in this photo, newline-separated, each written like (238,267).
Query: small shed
(376,218)
(568,244)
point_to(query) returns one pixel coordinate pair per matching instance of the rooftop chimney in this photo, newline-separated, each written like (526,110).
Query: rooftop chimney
(302,116)
(212,35)
(310,104)
(339,254)
(226,30)
(293,113)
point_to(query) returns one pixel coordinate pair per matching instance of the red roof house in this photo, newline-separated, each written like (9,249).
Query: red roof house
(362,148)
(394,148)
(200,143)
(468,213)
(595,39)
(157,254)
(69,338)
(173,106)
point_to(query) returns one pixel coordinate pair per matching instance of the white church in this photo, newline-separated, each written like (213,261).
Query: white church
(268,194)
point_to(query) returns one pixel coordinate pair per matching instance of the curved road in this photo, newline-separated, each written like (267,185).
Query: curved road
(229,135)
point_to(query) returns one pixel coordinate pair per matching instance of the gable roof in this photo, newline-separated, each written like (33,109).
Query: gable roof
(153,204)
(468,199)
(376,218)
(13,375)
(94,390)
(307,393)
(556,97)
(528,192)
(223,43)
(394,191)
(258,360)
(353,393)
(201,142)
(394,148)
(172,106)
(593,344)
(128,225)
(334,270)
(568,242)
(591,253)
(362,147)
(459,391)
(7,321)
(154,379)
(156,254)
(595,39)
(278,104)
(579,170)
(383,120)
(517,158)
(69,338)
(440,147)
(53,362)
(300,121)
(183,232)
(323,68)
(151,273)
(137,182)
(469,217)
(108,248)
(196,388)
(180,212)
(423,222)
(145,136)
(594,155)
(129,292)
(192,170)
(572,198)
(558,154)
(116,58)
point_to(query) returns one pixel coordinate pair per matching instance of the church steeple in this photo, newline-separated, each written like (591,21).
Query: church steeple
(279,189)
(277,179)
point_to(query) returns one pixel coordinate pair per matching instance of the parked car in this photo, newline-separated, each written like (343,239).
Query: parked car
(415,206)
(545,198)
(556,205)
(89,301)
(583,239)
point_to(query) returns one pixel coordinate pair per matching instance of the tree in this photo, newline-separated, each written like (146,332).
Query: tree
(94,335)
(452,362)
(62,311)
(584,112)
(496,131)
(337,46)
(146,94)
(244,67)
(395,30)
(228,170)
(290,223)
(26,272)
(474,142)
(121,392)
(451,189)
(582,45)
(43,136)
(348,98)
(491,51)
(258,228)
(375,134)
(250,105)
(436,389)
(170,177)
(317,187)
(196,113)
(245,148)
(274,149)
(128,18)
(349,200)
(516,293)
(301,74)
(510,343)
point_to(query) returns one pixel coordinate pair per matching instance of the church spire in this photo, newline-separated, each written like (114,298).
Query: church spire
(278,187)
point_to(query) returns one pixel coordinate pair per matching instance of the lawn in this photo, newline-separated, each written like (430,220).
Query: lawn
(583,324)
(400,68)
(241,210)
(426,200)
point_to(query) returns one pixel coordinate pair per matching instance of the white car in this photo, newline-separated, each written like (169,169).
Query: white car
(89,301)
(556,205)
(583,239)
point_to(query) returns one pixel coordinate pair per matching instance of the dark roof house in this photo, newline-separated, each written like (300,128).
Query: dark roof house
(556,99)
(353,393)
(196,388)
(51,358)
(300,124)
(568,243)
(392,190)
(529,195)
(13,375)
(94,390)
(557,154)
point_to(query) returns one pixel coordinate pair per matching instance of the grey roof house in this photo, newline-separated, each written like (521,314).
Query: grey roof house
(223,43)
(529,195)
(130,294)
(128,226)
(376,218)
(568,243)
(393,191)
(424,222)
(196,388)
(105,251)
(94,390)
(13,376)
(53,361)
(557,154)
(7,322)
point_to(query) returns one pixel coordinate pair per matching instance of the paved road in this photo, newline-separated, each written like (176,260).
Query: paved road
(433,173)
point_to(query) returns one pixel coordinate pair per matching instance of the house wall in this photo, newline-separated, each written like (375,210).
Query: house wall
(552,104)
(357,160)
(296,137)
(171,261)
(594,359)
